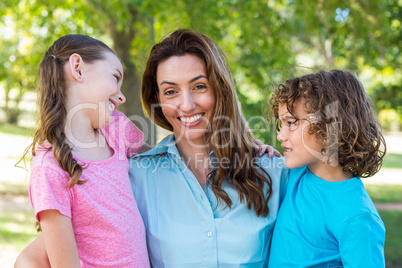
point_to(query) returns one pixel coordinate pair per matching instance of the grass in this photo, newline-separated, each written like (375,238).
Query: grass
(17,228)
(392,160)
(393,245)
(15,130)
(385,193)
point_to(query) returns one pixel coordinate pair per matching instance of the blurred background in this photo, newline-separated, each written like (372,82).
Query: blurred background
(265,41)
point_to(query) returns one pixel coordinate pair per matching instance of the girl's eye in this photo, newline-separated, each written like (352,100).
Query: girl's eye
(117,77)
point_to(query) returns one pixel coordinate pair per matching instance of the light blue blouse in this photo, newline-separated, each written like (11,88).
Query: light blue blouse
(187,227)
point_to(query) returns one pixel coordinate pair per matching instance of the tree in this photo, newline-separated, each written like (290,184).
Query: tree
(265,41)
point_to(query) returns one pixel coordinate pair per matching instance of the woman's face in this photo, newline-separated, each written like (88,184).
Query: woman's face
(186,97)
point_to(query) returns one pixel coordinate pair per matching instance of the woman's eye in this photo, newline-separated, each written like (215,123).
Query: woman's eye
(169,92)
(117,77)
(200,87)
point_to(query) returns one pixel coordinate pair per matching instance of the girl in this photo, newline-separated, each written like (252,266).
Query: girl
(331,139)
(79,186)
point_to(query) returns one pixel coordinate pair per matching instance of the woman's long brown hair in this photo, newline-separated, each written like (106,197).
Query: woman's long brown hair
(52,98)
(229,137)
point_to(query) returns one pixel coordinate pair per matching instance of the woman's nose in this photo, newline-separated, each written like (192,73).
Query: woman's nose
(187,102)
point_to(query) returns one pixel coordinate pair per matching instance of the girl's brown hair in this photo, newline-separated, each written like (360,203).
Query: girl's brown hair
(230,138)
(341,116)
(52,98)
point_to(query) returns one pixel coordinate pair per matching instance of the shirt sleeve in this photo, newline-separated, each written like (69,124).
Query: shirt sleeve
(123,135)
(48,190)
(134,138)
(361,242)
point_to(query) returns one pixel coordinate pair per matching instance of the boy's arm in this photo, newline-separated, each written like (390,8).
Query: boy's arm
(361,242)
(59,239)
(34,255)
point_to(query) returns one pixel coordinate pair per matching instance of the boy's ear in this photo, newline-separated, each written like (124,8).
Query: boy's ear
(75,63)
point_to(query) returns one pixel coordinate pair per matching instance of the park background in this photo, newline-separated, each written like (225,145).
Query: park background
(265,41)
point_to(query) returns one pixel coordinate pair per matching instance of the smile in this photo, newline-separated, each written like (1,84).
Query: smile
(190,119)
(112,106)
(287,151)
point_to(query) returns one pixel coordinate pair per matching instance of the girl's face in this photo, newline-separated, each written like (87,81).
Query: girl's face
(186,97)
(302,148)
(101,83)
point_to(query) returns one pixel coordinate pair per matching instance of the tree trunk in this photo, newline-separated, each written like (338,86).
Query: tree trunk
(132,80)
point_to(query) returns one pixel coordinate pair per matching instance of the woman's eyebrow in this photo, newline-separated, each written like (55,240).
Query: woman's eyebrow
(192,80)
(167,82)
(197,77)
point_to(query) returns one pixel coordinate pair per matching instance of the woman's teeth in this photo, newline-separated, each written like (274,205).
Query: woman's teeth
(191,119)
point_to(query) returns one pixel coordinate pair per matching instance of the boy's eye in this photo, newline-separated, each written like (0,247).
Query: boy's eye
(292,125)
(288,124)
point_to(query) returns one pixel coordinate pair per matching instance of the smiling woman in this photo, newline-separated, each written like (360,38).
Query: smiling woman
(199,188)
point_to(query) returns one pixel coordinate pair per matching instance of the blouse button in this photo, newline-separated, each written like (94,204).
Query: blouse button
(209,234)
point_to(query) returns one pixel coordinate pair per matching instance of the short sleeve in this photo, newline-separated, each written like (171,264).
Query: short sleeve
(134,138)
(123,135)
(361,242)
(48,190)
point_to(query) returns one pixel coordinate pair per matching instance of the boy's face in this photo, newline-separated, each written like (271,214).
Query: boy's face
(302,148)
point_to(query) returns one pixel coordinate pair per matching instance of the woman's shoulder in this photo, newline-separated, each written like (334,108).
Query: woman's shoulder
(164,147)
(275,167)
(274,162)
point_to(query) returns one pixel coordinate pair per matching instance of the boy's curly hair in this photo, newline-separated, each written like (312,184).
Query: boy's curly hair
(341,116)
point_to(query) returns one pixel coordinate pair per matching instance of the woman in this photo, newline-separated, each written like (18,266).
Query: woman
(205,197)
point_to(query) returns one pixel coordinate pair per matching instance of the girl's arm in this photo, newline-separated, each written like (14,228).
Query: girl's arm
(34,255)
(59,239)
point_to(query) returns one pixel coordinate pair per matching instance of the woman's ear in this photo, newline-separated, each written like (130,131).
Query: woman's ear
(75,63)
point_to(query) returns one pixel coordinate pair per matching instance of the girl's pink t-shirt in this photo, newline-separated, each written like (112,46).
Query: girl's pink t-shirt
(108,228)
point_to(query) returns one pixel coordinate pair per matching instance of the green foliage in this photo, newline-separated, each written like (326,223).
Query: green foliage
(265,41)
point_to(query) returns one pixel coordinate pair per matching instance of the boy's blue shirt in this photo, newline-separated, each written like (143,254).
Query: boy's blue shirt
(327,224)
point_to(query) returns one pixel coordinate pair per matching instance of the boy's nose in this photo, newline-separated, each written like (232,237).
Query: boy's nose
(281,135)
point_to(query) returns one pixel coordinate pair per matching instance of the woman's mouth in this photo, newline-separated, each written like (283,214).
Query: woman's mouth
(190,119)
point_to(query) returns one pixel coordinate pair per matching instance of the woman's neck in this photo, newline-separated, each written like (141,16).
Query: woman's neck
(196,158)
